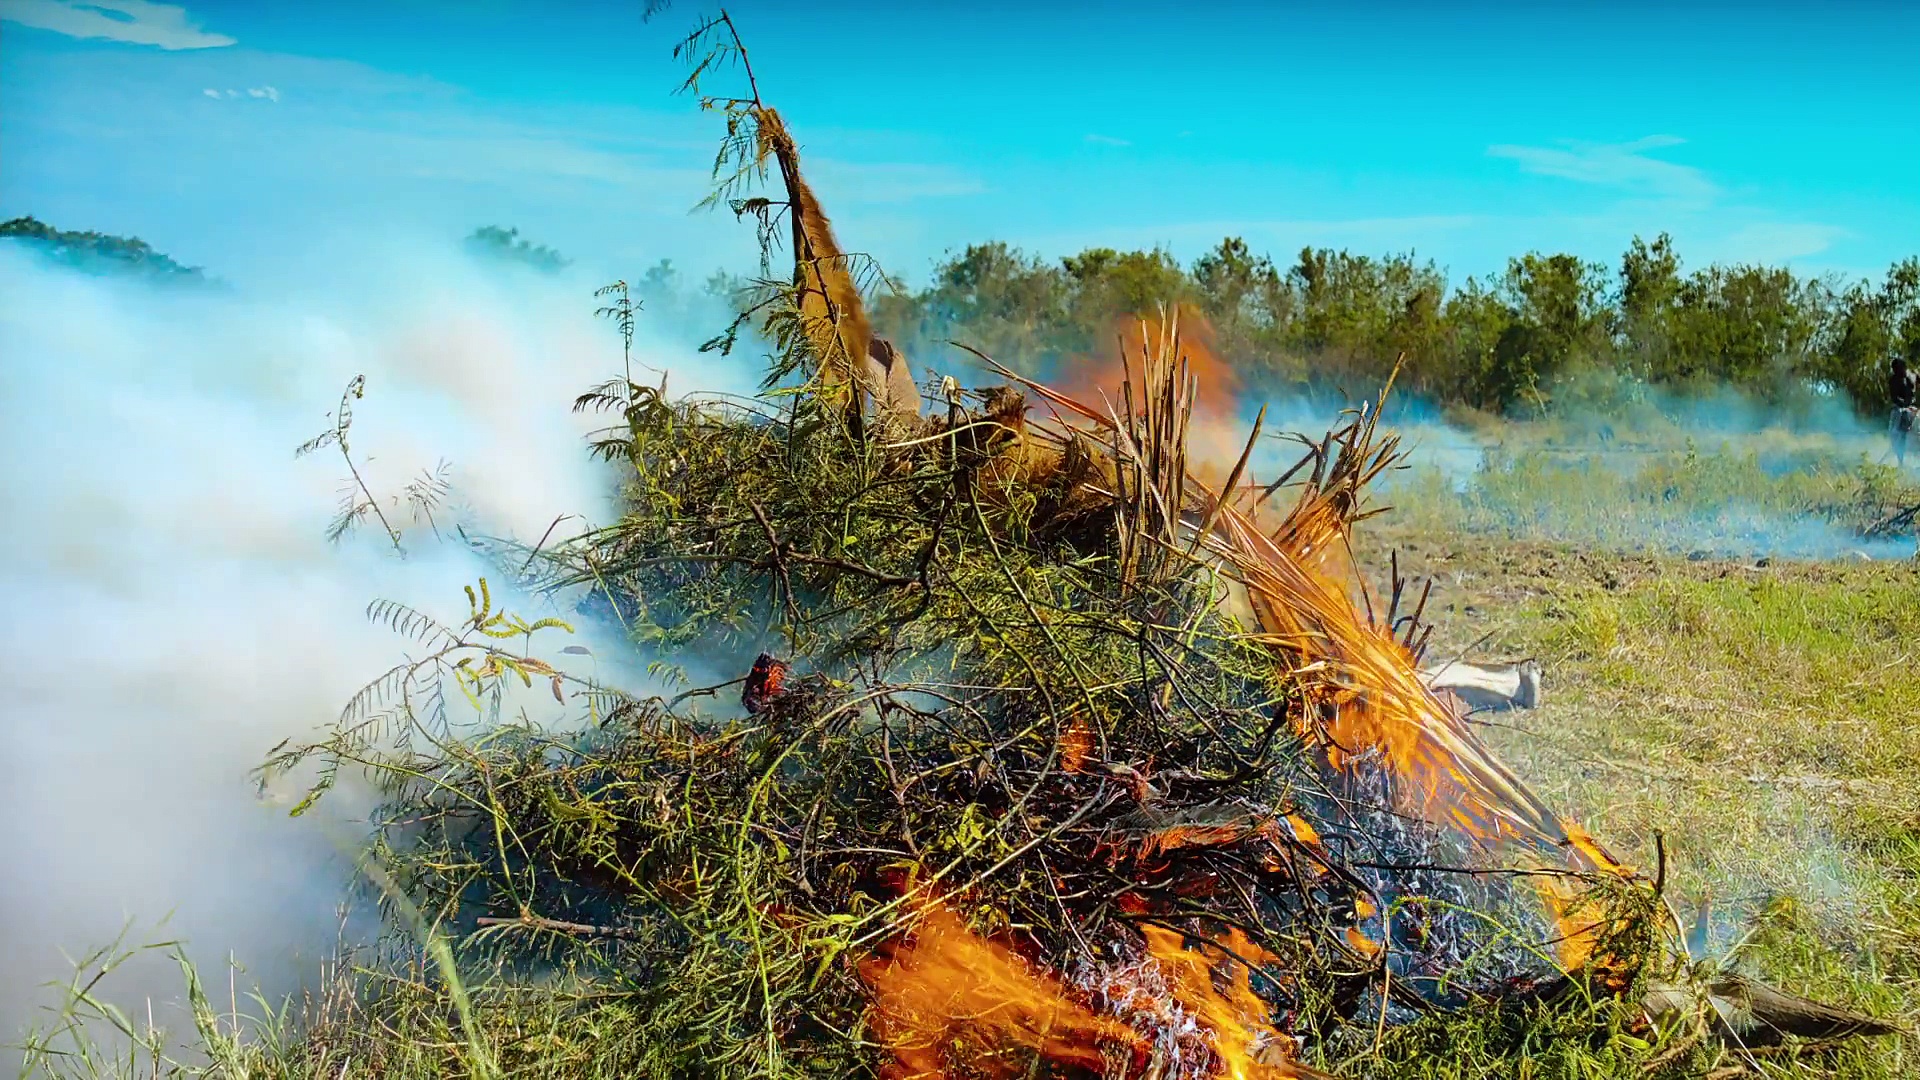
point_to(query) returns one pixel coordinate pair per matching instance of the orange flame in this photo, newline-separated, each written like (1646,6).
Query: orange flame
(1581,925)
(1215,436)
(949,996)
(1367,697)
(1367,694)
(1244,1038)
(1076,745)
(1363,693)
(949,1002)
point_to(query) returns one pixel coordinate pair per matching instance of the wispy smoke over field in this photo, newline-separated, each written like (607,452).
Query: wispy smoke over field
(1721,476)
(1605,462)
(173,608)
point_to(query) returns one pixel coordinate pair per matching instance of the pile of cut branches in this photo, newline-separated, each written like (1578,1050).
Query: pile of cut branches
(1017,669)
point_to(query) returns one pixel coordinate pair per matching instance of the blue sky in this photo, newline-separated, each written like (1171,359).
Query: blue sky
(229,133)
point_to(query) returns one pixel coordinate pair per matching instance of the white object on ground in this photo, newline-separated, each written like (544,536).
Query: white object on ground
(1489,687)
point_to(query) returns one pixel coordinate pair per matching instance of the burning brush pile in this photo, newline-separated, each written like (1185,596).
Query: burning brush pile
(1045,757)
(1053,760)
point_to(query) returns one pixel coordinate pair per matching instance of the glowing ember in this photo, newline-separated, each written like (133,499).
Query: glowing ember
(1076,746)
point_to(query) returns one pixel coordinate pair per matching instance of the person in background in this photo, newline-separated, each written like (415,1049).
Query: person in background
(1901,392)
(1900,388)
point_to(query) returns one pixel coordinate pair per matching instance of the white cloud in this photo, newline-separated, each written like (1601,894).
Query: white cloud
(259,93)
(1621,165)
(1770,243)
(136,22)
(1105,140)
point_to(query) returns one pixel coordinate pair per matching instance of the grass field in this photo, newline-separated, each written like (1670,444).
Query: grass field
(1761,713)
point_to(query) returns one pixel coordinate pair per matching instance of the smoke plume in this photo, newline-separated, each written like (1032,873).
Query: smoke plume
(174,609)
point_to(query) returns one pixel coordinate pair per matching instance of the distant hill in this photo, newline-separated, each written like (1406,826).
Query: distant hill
(99,253)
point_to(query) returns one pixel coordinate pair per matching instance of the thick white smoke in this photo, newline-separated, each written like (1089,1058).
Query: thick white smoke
(173,609)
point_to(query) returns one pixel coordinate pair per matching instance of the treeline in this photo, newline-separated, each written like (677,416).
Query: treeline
(1540,334)
(98,253)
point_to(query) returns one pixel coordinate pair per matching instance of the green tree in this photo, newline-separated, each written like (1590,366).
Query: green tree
(1007,304)
(99,253)
(1107,284)
(1649,285)
(1473,322)
(1559,316)
(1747,326)
(1251,308)
(1868,326)
(1561,299)
(1551,330)
(1358,313)
(1235,286)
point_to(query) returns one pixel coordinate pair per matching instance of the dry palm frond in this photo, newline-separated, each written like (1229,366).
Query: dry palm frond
(829,303)
(820,310)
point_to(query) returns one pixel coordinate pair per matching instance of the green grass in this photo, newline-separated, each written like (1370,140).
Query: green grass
(1765,720)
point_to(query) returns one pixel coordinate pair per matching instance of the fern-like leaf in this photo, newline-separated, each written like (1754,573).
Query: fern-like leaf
(318,442)
(412,623)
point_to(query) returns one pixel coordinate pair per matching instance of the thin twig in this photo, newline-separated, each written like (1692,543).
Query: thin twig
(558,926)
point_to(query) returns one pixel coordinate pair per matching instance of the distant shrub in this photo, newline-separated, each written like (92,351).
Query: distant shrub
(494,242)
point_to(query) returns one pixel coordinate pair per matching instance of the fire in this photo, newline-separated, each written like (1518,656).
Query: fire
(1369,696)
(1076,745)
(1369,699)
(1357,939)
(1364,698)
(948,997)
(949,1002)
(1215,435)
(1581,925)
(1244,1038)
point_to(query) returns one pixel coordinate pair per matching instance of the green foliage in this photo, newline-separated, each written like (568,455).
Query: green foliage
(1335,322)
(1869,325)
(1246,300)
(1105,282)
